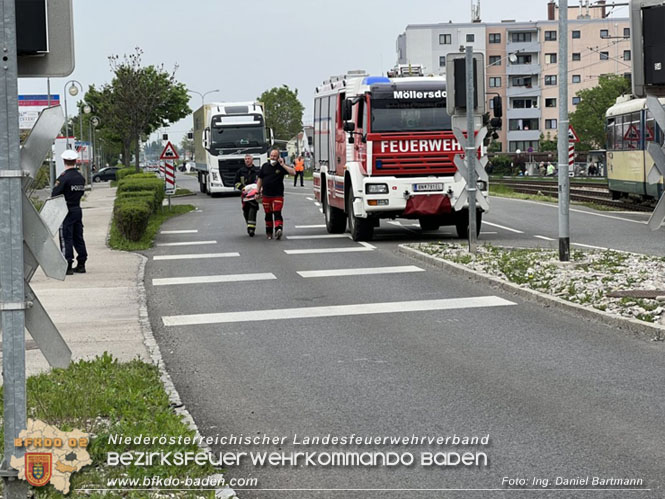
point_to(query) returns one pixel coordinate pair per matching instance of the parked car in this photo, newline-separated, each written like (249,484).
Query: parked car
(105,174)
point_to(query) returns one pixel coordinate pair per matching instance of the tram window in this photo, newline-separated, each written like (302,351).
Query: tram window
(610,134)
(618,134)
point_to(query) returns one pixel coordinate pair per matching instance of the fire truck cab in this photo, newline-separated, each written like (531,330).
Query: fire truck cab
(384,148)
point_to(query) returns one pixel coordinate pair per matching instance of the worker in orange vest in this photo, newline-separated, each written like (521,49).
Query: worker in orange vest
(300,171)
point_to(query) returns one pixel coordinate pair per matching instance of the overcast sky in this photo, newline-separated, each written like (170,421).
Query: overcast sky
(244,47)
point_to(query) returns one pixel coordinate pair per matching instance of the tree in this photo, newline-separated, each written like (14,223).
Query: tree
(187,146)
(588,120)
(138,101)
(547,143)
(283,112)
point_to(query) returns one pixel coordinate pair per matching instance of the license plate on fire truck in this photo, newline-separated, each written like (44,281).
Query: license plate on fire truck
(427,187)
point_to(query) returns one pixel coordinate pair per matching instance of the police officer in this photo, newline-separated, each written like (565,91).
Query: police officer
(72,185)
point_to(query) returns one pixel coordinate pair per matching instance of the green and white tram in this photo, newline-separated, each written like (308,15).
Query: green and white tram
(630,127)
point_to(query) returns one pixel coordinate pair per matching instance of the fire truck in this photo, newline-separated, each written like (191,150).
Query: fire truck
(384,148)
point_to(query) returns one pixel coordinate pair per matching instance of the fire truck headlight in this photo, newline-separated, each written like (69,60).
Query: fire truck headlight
(376,189)
(481,185)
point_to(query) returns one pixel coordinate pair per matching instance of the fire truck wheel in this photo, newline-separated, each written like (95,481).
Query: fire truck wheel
(429,223)
(335,218)
(361,229)
(462,223)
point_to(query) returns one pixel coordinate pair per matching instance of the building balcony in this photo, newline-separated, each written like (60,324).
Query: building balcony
(524,134)
(523,69)
(532,91)
(526,47)
(523,113)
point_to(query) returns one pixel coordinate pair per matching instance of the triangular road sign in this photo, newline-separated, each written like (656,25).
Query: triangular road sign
(632,135)
(572,135)
(169,152)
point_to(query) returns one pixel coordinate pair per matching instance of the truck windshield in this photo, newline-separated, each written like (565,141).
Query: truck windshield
(238,136)
(390,115)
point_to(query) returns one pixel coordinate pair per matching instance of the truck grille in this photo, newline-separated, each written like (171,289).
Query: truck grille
(228,169)
(435,164)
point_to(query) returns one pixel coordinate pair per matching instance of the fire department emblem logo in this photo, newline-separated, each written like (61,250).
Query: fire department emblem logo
(38,468)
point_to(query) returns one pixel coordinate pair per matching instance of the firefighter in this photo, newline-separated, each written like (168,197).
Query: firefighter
(271,185)
(300,171)
(245,176)
(72,185)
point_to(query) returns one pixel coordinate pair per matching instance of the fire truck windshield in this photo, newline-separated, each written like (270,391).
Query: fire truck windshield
(392,115)
(238,136)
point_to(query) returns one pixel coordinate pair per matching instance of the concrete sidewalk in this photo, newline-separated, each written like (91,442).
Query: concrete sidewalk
(95,312)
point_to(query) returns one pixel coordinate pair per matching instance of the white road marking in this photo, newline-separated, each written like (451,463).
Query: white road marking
(503,227)
(207,279)
(308,198)
(483,232)
(316,203)
(367,245)
(348,249)
(195,256)
(336,311)
(545,238)
(320,210)
(187,243)
(188,231)
(362,271)
(321,236)
(322,226)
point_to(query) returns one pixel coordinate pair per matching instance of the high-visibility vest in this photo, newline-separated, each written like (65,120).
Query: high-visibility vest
(300,165)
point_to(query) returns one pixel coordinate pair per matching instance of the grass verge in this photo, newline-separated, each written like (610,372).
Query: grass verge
(181,191)
(503,191)
(104,397)
(118,242)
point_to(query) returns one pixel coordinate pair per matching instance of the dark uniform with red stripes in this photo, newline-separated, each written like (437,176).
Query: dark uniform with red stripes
(272,178)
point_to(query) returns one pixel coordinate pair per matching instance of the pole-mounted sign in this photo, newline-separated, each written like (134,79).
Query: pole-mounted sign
(657,171)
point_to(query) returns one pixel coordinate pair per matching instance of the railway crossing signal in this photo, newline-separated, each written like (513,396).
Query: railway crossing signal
(462,170)
(658,155)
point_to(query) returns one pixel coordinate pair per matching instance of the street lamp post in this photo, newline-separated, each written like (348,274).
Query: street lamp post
(73,91)
(202,95)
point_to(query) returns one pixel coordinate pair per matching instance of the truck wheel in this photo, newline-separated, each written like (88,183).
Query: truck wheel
(335,218)
(361,229)
(462,223)
(429,223)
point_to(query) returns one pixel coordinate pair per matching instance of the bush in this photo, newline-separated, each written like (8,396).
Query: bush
(131,217)
(138,183)
(147,196)
(122,173)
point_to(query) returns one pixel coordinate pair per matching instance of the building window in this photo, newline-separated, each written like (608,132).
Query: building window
(550,80)
(495,38)
(527,103)
(524,124)
(604,33)
(576,101)
(470,38)
(550,58)
(442,61)
(626,32)
(523,59)
(604,56)
(550,124)
(521,81)
(550,36)
(577,56)
(523,145)
(495,60)
(550,102)
(626,55)
(495,81)
(576,34)
(577,79)
(520,37)
(445,39)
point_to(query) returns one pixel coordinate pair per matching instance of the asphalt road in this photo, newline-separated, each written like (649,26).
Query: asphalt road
(264,350)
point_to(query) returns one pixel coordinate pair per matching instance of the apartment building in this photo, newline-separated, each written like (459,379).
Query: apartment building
(522,63)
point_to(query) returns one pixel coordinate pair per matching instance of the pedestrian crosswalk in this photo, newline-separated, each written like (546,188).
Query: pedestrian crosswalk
(307,240)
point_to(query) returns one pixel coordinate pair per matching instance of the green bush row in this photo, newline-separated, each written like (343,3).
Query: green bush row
(123,172)
(137,198)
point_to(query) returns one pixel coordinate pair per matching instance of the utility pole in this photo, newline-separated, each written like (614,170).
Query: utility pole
(562,136)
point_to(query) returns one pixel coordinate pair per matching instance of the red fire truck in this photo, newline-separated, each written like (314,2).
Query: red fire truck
(384,148)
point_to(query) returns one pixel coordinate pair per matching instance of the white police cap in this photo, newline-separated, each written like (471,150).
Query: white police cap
(69,155)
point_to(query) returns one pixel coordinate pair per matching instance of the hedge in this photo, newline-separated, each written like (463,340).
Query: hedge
(131,217)
(147,196)
(135,183)
(123,172)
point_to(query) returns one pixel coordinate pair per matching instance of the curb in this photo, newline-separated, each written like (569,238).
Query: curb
(653,332)
(155,354)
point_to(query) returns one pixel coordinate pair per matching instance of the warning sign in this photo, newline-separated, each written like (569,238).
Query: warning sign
(632,134)
(169,152)
(572,135)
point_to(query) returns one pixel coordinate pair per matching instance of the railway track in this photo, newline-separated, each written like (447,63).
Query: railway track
(580,191)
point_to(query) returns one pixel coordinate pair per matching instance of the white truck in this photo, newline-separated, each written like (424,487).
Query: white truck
(223,134)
